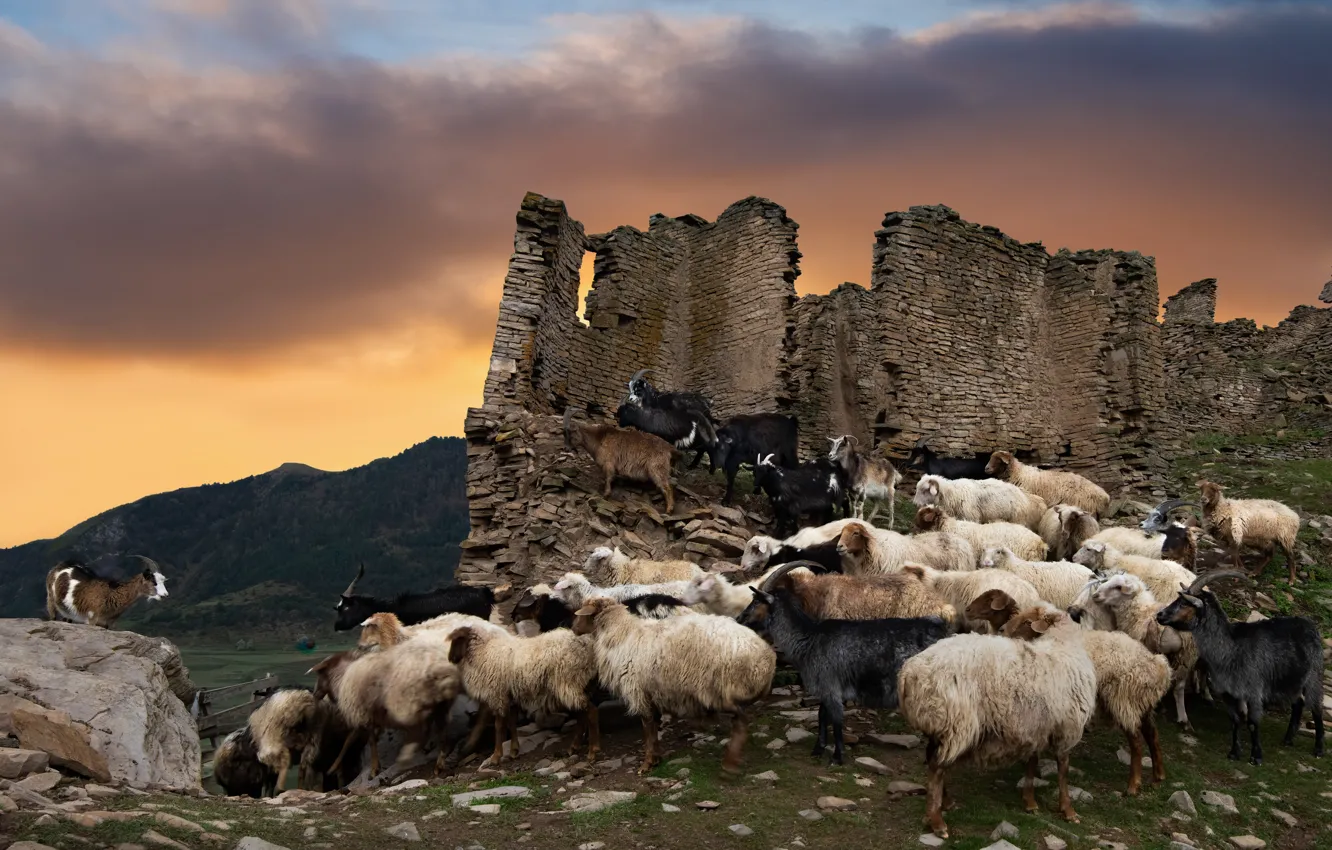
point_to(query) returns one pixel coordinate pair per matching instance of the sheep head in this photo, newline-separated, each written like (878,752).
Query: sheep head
(854,539)
(328,673)
(929,518)
(1034,622)
(700,588)
(994,607)
(1091,555)
(927,490)
(1211,495)
(995,555)
(461,643)
(382,629)
(585,618)
(1000,464)
(758,550)
(1120,589)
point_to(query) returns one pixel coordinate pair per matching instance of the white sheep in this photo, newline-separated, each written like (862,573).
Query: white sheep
(290,719)
(615,567)
(683,666)
(982,535)
(1162,577)
(865,550)
(1260,523)
(1065,528)
(1055,486)
(1130,541)
(1057,582)
(980,500)
(551,672)
(760,549)
(959,589)
(573,589)
(1000,700)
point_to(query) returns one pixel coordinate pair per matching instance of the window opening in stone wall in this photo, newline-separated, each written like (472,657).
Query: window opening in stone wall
(586,272)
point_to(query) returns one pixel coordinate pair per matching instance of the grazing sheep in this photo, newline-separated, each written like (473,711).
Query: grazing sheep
(983,500)
(1260,523)
(1000,700)
(237,768)
(628,453)
(615,567)
(866,478)
(1162,577)
(1058,582)
(1130,681)
(77,594)
(292,719)
(841,660)
(1252,664)
(809,544)
(866,550)
(551,672)
(960,589)
(684,666)
(1130,541)
(1065,528)
(1055,486)
(854,597)
(982,535)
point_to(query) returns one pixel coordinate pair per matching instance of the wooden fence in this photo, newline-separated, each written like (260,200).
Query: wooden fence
(220,713)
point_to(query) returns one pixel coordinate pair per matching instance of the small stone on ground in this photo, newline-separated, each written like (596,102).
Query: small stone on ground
(1004,830)
(740,829)
(406,831)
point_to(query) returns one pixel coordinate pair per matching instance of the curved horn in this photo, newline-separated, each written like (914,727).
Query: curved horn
(1171,504)
(359,574)
(1203,580)
(150,562)
(766,585)
(640,373)
(925,438)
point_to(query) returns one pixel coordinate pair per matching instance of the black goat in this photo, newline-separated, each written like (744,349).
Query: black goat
(413,608)
(1250,664)
(811,488)
(684,429)
(644,394)
(924,459)
(841,660)
(748,436)
(1158,520)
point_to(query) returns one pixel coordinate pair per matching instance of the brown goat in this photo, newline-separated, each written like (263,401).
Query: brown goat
(77,594)
(626,452)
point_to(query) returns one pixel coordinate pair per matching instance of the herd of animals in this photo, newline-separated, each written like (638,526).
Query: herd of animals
(998,627)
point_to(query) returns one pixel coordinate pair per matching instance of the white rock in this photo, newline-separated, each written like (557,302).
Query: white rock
(595,801)
(667,807)
(1247,842)
(1286,818)
(405,786)
(810,814)
(1078,795)
(1054,842)
(1225,802)
(1004,830)
(929,839)
(1183,802)
(898,786)
(905,742)
(250,842)
(503,792)
(485,808)
(766,776)
(740,829)
(592,845)
(873,764)
(406,831)
(796,735)
(1001,844)
(775,744)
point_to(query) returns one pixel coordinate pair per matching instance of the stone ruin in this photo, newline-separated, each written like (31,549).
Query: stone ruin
(965,335)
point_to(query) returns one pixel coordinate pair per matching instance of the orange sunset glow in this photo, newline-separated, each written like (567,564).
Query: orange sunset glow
(214,260)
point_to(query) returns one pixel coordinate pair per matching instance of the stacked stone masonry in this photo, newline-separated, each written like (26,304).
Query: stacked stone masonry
(966,335)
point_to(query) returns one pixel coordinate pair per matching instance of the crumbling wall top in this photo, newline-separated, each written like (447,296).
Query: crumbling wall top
(1195,304)
(1326,295)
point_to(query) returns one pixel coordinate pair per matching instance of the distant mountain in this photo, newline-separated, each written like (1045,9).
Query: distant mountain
(271,553)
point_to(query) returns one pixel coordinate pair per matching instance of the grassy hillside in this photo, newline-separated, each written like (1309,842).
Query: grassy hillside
(270,553)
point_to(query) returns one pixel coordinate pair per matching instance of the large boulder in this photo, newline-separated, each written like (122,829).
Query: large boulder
(101,703)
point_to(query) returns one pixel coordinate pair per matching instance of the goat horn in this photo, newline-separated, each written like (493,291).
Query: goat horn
(352,586)
(150,562)
(1203,580)
(767,584)
(640,373)
(1171,504)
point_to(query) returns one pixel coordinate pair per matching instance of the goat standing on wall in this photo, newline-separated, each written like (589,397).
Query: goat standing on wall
(77,594)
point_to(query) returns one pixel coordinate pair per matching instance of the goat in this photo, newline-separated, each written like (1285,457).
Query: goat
(852,597)
(77,594)
(1159,518)
(1265,523)
(866,478)
(811,488)
(841,660)
(540,606)
(1181,545)
(755,435)
(682,430)
(631,454)
(413,608)
(923,459)
(701,434)
(1052,485)
(1250,664)
(809,544)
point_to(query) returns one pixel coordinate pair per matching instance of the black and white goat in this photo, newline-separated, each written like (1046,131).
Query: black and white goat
(748,436)
(682,418)
(1159,519)
(926,461)
(413,608)
(813,488)
(866,477)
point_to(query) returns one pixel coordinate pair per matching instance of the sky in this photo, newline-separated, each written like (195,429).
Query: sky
(237,233)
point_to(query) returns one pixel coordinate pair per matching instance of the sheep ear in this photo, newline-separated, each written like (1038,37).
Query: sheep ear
(585,611)
(1040,626)
(999,600)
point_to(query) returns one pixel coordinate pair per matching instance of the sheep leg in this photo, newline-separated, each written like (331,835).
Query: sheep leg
(374,750)
(497,755)
(1135,762)
(739,732)
(609,471)
(1029,785)
(513,733)
(1154,747)
(1066,804)
(934,787)
(1235,556)
(650,755)
(284,762)
(1289,552)
(478,729)
(342,753)
(593,733)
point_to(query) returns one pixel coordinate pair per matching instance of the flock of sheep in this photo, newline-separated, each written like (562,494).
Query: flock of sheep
(998,628)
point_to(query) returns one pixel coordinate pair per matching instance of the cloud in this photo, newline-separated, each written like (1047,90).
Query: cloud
(154,208)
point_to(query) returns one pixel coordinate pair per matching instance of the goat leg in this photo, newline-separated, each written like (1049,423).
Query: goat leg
(1233,709)
(1029,785)
(821,740)
(1255,746)
(1296,709)
(1066,804)
(1154,747)
(1135,762)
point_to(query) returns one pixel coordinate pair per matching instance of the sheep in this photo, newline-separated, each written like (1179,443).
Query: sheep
(553,672)
(1181,545)
(809,544)
(1065,528)
(573,588)
(292,719)
(745,438)
(384,630)
(681,417)
(1131,541)
(635,455)
(237,768)
(1262,523)
(1162,577)
(811,488)
(866,477)
(865,550)
(987,500)
(1130,679)
(959,589)
(924,459)
(685,666)
(1057,582)
(851,597)
(615,567)
(982,535)
(77,594)
(840,659)
(1052,485)
(1251,664)
(999,700)
(412,608)
(539,607)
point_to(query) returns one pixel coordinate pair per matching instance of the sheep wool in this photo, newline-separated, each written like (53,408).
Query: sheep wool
(1052,485)
(1057,582)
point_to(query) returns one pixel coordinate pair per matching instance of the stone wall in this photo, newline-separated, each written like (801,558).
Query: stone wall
(964,334)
